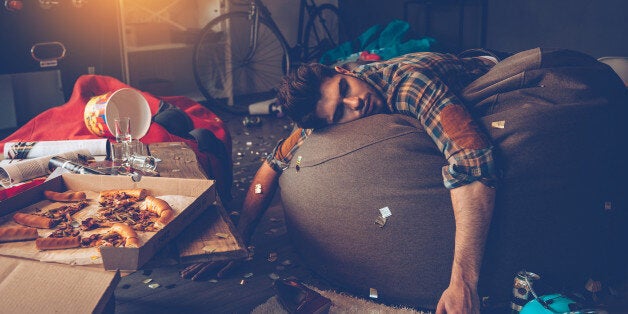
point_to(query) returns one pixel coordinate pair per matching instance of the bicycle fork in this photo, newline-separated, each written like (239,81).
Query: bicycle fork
(254,25)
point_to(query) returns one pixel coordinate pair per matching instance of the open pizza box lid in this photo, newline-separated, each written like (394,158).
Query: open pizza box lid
(34,287)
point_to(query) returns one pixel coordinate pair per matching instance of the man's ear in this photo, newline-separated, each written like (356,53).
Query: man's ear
(342,70)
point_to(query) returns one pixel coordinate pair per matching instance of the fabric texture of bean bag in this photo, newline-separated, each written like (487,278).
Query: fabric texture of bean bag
(555,119)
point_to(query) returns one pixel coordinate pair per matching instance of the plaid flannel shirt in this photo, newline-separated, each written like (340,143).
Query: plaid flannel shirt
(425,86)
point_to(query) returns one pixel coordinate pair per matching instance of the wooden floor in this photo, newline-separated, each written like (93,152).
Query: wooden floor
(248,286)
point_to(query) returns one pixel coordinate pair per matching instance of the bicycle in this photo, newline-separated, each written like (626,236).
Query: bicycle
(241,56)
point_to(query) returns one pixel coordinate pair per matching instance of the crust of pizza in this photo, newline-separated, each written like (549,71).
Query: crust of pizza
(161,208)
(124,230)
(10,234)
(68,196)
(57,243)
(139,194)
(34,221)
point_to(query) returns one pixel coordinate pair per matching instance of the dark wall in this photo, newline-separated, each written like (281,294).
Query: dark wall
(90,34)
(594,27)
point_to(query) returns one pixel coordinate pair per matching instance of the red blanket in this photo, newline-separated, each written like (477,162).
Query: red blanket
(66,122)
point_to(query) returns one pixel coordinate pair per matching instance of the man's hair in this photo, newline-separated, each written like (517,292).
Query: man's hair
(299,93)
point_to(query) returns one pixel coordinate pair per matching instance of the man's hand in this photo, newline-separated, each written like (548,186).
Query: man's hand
(205,270)
(459,298)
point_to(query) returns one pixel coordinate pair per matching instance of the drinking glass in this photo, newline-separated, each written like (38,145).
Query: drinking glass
(136,148)
(122,129)
(123,136)
(117,153)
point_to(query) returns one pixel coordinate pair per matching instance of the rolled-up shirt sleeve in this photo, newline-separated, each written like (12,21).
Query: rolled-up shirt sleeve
(426,86)
(445,118)
(469,166)
(285,149)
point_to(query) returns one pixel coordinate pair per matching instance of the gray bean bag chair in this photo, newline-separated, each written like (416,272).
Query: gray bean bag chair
(554,118)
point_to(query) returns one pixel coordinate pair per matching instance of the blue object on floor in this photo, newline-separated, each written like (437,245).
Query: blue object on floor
(556,303)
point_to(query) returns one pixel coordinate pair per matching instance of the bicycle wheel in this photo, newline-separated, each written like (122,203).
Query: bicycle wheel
(228,73)
(324,31)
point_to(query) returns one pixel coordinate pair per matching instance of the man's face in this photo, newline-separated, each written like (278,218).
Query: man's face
(346,98)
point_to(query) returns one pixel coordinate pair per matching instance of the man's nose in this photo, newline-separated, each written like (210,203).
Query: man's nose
(353,102)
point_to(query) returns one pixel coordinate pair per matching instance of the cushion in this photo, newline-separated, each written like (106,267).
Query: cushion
(552,116)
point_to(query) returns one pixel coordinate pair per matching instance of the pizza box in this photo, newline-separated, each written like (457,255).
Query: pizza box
(211,238)
(202,192)
(33,287)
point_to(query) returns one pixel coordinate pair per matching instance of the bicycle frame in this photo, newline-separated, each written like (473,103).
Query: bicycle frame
(310,8)
(257,8)
(230,64)
(302,6)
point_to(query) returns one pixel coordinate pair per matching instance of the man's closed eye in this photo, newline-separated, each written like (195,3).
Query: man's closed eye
(343,88)
(343,91)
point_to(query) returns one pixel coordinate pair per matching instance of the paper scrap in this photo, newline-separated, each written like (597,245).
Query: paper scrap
(209,249)
(373,293)
(498,124)
(385,211)
(380,221)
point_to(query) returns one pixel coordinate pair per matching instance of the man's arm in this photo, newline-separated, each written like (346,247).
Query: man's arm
(255,205)
(471,164)
(473,208)
(267,176)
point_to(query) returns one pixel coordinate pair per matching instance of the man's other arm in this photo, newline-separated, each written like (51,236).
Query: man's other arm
(256,204)
(473,208)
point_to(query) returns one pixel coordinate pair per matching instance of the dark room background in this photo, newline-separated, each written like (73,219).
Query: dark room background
(596,27)
(91,33)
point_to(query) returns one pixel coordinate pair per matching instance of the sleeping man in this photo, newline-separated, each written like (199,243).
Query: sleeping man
(554,117)
(422,85)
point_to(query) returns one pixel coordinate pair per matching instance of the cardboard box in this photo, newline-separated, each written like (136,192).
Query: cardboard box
(127,259)
(211,238)
(34,287)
